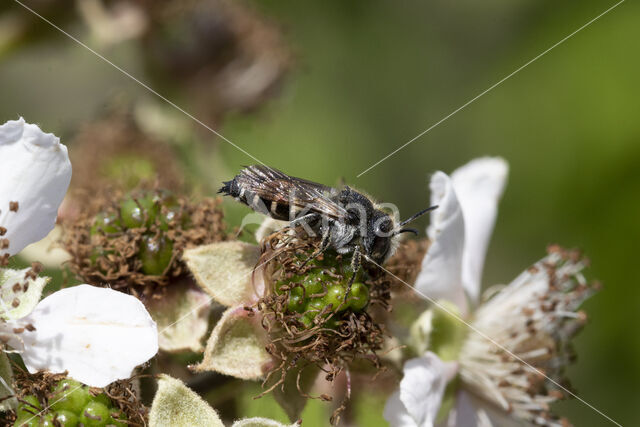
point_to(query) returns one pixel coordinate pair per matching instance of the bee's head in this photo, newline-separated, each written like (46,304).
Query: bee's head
(380,241)
(377,242)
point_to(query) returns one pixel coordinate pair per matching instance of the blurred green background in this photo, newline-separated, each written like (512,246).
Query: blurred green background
(371,75)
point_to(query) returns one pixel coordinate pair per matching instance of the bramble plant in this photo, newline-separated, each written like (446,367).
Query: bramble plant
(69,403)
(134,242)
(319,292)
(313,318)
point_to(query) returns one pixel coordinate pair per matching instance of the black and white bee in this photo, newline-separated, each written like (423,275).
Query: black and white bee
(347,221)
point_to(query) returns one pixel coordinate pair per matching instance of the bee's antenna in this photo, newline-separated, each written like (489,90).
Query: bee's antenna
(419,214)
(406,230)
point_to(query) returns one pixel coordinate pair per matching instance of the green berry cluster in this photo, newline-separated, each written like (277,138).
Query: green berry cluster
(153,211)
(321,291)
(70,405)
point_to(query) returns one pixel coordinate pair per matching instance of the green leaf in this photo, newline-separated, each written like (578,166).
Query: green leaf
(6,374)
(224,270)
(176,405)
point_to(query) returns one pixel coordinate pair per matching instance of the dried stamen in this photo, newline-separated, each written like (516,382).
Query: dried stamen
(135,243)
(306,316)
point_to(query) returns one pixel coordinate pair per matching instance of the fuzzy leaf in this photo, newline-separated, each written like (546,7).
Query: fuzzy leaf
(27,300)
(236,347)
(182,316)
(176,405)
(261,422)
(289,397)
(224,270)
(6,374)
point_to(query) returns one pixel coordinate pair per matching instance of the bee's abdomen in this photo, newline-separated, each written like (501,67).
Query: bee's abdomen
(230,188)
(237,190)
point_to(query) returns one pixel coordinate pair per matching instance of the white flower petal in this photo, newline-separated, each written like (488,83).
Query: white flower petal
(48,251)
(464,413)
(472,412)
(396,413)
(420,332)
(97,334)
(421,391)
(15,302)
(478,186)
(441,273)
(35,173)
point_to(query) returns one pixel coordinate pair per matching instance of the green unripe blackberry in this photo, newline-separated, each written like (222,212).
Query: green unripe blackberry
(297,301)
(47,421)
(27,421)
(155,253)
(358,297)
(70,404)
(27,410)
(66,418)
(95,414)
(139,211)
(313,283)
(30,403)
(131,213)
(102,398)
(336,297)
(106,224)
(315,306)
(325,289)
(70,395)
(119,420)
(307,319)
(172,212)
(167,216)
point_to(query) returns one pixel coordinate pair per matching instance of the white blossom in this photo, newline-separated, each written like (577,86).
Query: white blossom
(513,346)
(35,176)
(96,334)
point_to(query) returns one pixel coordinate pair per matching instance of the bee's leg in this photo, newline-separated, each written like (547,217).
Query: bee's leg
(324,244)
(356,262)
(304,221)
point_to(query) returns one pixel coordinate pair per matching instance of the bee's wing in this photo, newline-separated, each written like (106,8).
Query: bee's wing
(293,193)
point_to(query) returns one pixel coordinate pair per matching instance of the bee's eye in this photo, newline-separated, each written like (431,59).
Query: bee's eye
(384,226)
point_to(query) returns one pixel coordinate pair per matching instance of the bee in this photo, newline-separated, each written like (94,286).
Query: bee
(347,220)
